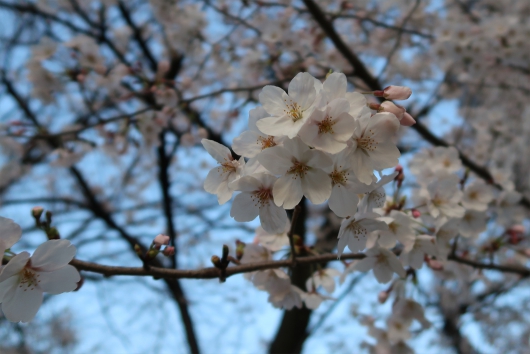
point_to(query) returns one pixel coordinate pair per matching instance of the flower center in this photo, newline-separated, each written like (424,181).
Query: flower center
(266,142)
(357,230)
(229,166)
(29,279)
(262,196)
(367,142)
(293,110)
(339,177)
(298,169)
(473,195)
(326,125)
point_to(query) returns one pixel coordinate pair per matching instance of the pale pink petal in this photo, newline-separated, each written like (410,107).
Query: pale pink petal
(23,305)
(254,115)
(365,264)
(7,285)
(383,273)
(335,86)
(273,218)
(219,152)
(302,90)
(416,258)
(277,159)
(273,100)
(317,159)
(214,179)
(407,120)
(287,191)
(10,233)
(244,208)
(52,255)
(59,281)
(14,266)
(247,144)
(246,184)
(316,185)
(342,201)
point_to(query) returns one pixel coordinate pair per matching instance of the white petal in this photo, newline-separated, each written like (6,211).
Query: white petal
(14,266)
(383,273)
(316,185)
(254,115)
(52,255)
(23,305)
(247,144)
(6,285)
(214,179)
(272,98)
(302,90)
(276,159)
(59,281)
(343,202)
(273,218)
(416,258)
(335,86)
(365,264)
(219,152)
(317,159)
(244,208)
(287,192)
(10,233)
(246,184)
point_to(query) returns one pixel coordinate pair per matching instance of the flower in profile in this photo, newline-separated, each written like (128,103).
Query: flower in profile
(394,92)
(219,178)
(10,233)
(383,262)
(24,279)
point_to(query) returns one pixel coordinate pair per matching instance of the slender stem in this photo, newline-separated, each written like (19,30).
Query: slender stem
(290,234)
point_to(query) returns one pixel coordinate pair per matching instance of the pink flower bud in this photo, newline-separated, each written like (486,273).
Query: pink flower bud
(396,110)
(407,120)
(382,296)
(416,214)
(517,229)
(394,93)
(37,212)
(169,251)
(161,240)
(399,168)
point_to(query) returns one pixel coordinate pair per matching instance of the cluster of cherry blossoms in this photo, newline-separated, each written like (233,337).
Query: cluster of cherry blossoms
(24,278)
(320,142)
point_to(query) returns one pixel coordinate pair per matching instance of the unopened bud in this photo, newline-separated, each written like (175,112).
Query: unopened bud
(415,213)
(169,251)
(389,106)
(374,106)
(407,120)
(161,240)
(138,250)
(80,284)
(240,248)
(53,233)
(394,93)
(216,262)
(226,250)
(152,253)
(382,296)
(36,212)
(434,264)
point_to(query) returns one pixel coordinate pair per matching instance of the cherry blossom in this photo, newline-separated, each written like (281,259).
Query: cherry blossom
(273,242)
(323,278)
(301,173)
(10,233)
(24,279)
(414,253)
(353,231)
(372,147)
(219,179)
(383,262)
(289,112)
(477,196)
(394,93)
(256,199)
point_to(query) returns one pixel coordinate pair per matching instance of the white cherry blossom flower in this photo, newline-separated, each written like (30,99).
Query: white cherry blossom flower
(252,141)
(410,310)
(383,262)
(329,129)
(353,231)
(472,223)
(312,300)
(323,278)
(24,279)
(376,197)
(273,242)
(444,196)
(10,233)
(414,254)
(477,196)
(372,145)
(287,300)
(256,199)
(301,173)
(345,187)
(334,87)
(219,179)
(399,228)
(289,112)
